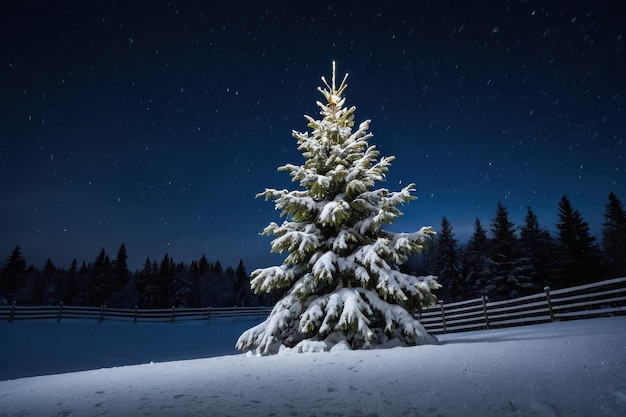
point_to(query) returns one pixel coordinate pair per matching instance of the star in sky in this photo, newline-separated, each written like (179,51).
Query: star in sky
(156,124)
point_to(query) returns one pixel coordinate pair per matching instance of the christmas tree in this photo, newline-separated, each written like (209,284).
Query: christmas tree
(344,288)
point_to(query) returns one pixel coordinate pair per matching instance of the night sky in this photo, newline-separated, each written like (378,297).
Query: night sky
(155,123)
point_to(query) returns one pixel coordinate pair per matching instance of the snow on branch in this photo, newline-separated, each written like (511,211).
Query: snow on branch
(292,202)
(345,237)
(410,242)
(290,239)
(344,312)
(334,212)
(266,279)
(324,266)
(361,133)
(268,336)
(352,316)
(272,194)
(397,318)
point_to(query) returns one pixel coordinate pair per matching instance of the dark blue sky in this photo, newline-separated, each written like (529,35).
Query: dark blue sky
(155,123)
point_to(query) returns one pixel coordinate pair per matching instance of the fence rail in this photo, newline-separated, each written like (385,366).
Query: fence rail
(591,300)
(102,313)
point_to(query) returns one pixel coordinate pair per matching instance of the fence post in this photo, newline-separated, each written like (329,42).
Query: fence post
(136,312)
(101,313)
(208,314)
(443,316)
(549,300)
(173,313)
(60,312)
(485,311)
(11,312)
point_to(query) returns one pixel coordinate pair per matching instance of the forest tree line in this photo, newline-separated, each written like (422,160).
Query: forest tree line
(496,262)
(109,282)
(501,263)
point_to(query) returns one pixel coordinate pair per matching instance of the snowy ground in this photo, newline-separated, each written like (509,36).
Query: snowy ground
(557,369)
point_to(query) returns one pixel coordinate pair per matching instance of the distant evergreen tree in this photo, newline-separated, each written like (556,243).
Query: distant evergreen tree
(445,264)
(120,269)
(146,290)
(203,265)
(165,282)
(507,276)
(82,280)
(100,284)
(195,271)
(84,270)
(214,287)
(217,268)
(503,234)
(48,288)
(230,272)
(241,287)
(614,236)
(155,283)
(49,269)
(69,292)
(183,287)
(538,249)
(477,260)
(12,276)
(579,258)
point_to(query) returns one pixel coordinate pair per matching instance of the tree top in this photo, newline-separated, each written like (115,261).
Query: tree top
(332,93)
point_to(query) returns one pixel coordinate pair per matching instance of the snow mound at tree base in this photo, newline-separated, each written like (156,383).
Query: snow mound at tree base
(337,342)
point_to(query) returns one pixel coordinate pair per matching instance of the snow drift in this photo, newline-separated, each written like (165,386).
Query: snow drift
(568,369)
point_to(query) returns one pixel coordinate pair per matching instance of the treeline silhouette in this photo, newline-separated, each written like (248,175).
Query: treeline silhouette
(501,263)
(109,282)
(497,262)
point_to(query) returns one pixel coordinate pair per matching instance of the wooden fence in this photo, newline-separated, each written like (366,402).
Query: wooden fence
(592,300)
(63,312)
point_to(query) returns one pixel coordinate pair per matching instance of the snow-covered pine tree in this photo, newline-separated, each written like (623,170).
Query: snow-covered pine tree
(341,275)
